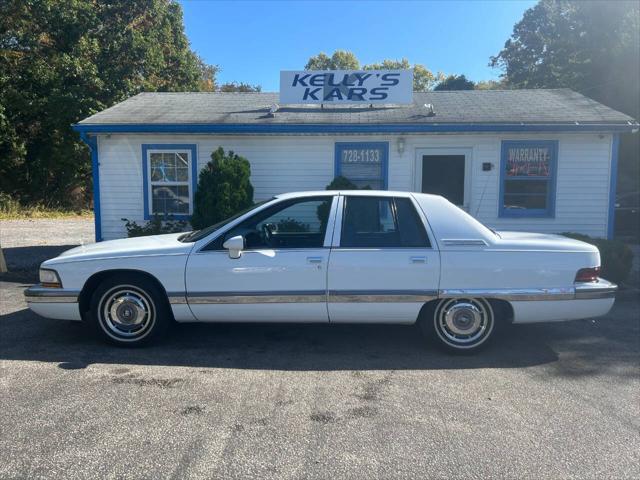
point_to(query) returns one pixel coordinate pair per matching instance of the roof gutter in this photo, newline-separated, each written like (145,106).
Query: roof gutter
(399,128)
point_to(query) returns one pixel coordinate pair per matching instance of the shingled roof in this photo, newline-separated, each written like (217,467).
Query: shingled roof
(560,106)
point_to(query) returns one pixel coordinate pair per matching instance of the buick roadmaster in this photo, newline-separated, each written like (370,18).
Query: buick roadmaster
(329,257)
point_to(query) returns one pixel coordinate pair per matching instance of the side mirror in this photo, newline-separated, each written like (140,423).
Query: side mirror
(235,245)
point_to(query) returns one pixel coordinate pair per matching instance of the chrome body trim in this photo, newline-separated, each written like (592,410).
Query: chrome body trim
(584,291)
(581,291)
(303,296)
(464,242)
(177,298)
(512,294)
(39,294)
(381,296)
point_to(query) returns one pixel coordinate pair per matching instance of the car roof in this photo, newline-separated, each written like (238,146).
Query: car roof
(361,193)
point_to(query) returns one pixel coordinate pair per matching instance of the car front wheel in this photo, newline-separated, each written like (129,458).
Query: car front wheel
(129,311)
(460,325)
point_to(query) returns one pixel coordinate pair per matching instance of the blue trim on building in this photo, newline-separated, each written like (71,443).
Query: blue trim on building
(349,128)
(550,211)
(92,143)
(192,147)
(340,146)
(613,185)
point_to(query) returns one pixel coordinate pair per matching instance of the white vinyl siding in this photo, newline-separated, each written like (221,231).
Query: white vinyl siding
(306,162)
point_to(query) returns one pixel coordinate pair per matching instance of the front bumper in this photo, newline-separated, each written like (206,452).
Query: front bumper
(39,294)
(57,303)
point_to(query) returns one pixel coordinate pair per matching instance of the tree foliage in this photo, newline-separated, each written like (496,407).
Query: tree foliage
(240,87)
(61,61)
(423,79)
(224,188)
(340,60)
(455,82)
(591,47)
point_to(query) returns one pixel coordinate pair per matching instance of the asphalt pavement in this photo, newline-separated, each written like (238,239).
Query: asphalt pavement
(318,401)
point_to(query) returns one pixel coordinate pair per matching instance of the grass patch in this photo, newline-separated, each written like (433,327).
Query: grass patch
(11,209)
(43,212)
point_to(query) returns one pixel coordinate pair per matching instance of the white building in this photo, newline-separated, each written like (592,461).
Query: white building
(534,160)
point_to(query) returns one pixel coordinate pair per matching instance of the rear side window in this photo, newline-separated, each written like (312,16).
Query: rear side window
(378,222)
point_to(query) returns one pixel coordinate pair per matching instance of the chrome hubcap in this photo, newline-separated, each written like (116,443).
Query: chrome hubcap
(464,321)
(127,313)
(463,318)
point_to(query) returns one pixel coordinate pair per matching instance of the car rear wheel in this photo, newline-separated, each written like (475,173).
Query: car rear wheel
(129,311)
(460,325)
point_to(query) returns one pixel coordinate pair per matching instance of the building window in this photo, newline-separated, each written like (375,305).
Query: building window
(363,163)
(169,176)
(528,172)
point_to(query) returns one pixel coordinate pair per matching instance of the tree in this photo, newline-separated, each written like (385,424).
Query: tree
(491,85)
(340,60)
(455,82)
(224,188)
(591,47)
(239,87)
(423,79)
(63,61)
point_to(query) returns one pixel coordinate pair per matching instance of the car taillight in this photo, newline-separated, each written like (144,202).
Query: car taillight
(588,274)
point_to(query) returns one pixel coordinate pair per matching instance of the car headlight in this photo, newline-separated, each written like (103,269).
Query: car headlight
(49,278)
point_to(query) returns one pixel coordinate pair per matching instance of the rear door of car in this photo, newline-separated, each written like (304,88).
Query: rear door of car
(383,266)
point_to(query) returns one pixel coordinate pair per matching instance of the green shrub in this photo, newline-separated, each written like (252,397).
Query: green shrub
(615,256)
(338,183)
(156,226)
(341,183)
(223,189)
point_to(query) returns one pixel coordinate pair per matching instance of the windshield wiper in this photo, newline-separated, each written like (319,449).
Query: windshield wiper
(185,237)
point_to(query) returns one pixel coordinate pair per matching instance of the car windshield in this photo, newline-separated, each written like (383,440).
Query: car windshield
(196,235)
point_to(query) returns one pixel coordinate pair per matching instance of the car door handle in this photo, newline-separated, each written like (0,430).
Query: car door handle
(314,259)
(418,259)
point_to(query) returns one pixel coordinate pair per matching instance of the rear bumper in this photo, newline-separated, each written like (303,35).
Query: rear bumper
(57,303)
(593,290)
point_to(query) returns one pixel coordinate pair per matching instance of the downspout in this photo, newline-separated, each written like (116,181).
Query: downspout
(92,142)
(613,183)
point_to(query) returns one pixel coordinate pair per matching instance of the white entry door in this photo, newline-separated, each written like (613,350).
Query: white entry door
(384,268)
(281,274)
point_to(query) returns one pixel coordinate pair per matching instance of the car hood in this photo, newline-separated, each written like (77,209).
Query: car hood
(128,247)
(541,241)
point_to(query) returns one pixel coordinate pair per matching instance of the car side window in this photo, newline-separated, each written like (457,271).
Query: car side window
(412,232)
(297,223)
(378,222)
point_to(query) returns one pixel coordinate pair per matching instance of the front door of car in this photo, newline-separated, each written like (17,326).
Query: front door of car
(383,268)
(281,273)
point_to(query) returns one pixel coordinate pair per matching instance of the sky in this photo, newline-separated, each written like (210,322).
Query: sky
(251,41)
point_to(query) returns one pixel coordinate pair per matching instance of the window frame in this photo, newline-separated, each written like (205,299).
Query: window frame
(340,218)
(340,146)
(147,150)
(215,244)
(551,180)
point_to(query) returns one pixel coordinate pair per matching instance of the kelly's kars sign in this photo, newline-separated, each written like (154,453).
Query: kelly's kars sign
(346,86)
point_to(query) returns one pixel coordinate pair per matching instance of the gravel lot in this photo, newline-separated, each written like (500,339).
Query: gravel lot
(304,401)
(27,243)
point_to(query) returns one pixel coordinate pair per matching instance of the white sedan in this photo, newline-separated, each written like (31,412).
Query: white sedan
(329,257)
